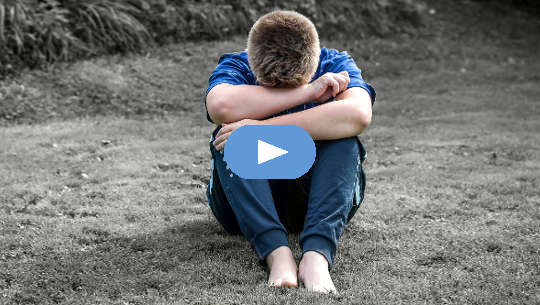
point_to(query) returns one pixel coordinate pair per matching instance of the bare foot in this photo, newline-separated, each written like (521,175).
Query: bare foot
(282,268)
(314,273)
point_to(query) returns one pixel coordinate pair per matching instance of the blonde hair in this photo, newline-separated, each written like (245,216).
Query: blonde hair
(283,49)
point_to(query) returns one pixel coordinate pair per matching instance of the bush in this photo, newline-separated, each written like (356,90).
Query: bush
(32,33)
(35,33)
(218,18)
(108,25)
(362,18)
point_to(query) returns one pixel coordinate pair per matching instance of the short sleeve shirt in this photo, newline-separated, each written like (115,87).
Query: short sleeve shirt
(233,68)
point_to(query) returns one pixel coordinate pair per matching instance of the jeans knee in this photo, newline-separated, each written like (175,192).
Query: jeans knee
(338,147)
(344,141)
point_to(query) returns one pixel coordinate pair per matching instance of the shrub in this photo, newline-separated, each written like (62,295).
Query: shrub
(195,20)
(108,25)
(362,18)
(34,33)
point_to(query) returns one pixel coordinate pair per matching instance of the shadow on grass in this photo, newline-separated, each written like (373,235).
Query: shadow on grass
(197,253)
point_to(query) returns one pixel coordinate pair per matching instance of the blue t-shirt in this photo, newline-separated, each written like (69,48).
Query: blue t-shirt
(233,68)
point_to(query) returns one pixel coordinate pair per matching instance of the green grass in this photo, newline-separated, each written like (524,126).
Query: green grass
(105,205)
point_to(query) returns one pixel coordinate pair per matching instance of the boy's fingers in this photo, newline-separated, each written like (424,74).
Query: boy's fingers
(343,82)
(335,87)
(346,84)
(218,135)
(218,145)
(221,145)
(223,130)
(345,75)
(221,138)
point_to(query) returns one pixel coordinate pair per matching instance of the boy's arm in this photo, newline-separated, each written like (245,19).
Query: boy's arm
(348,115)
(231,103)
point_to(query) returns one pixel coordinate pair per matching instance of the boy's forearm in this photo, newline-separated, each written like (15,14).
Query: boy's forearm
(229,103)
(334,120)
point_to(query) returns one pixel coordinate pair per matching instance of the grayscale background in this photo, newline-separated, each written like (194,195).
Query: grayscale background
(104,155)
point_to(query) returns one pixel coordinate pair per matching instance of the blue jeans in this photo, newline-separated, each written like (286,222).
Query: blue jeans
(318,204)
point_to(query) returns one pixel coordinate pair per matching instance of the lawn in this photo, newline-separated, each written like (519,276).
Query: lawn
(105,204)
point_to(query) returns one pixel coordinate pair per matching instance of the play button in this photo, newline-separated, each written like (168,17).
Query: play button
(269,152)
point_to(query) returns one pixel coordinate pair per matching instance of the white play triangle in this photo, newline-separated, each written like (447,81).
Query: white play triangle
(267,152)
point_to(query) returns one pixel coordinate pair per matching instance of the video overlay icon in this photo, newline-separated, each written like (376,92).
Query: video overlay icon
(270,152)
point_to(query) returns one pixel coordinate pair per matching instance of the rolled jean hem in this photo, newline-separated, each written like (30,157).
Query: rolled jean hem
(321,245)
(269,241)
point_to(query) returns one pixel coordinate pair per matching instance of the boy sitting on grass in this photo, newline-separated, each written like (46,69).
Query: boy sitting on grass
(286,78)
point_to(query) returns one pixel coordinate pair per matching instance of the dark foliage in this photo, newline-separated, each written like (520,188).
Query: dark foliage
(35,33)
(532,6)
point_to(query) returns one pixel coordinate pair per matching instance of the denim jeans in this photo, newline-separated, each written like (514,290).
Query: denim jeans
(317,205)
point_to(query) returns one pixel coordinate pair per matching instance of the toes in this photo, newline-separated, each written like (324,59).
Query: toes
(289,283)
(319,289)
(323,289)
(283,283)
(276,283)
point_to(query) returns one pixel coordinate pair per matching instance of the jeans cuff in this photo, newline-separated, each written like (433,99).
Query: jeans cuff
(321,245)
(269,241)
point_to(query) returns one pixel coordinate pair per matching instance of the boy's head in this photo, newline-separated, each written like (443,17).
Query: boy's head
(283,49)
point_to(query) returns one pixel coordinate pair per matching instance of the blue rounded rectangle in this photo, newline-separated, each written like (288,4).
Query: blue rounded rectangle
(269,152)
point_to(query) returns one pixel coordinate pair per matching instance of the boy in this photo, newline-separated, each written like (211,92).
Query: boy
(286,78)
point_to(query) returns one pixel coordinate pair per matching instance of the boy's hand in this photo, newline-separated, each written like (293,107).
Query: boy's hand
(227,129)
(329,85)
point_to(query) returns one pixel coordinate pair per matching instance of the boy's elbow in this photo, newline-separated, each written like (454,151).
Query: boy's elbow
(365,118)
(362,118)
(216,111)
(218,108)
(358,109)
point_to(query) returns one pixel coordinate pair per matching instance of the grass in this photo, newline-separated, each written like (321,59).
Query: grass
(108,206)
(38,34)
